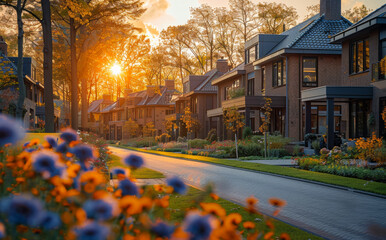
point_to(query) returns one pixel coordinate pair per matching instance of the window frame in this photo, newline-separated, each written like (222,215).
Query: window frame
(353,56)
(279,77)
(308,83)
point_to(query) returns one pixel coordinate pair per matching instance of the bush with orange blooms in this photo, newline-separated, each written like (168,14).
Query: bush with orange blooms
(51,190)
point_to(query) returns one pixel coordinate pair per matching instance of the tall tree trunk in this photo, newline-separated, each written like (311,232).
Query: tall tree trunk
(84,103)
(48,90)
(74,76)
(20,74)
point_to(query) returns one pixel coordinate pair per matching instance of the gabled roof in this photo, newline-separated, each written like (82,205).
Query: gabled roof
(110,107)
(236,71)
(374,18)
(94,106)
(314,33)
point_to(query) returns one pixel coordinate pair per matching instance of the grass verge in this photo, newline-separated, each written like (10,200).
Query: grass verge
(41,136)
(354,183)
(180,203)
(141,173)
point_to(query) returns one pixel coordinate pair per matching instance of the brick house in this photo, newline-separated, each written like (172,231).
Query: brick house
(150,105)
(281,67)
(34,100)
(200,95)
(362,85)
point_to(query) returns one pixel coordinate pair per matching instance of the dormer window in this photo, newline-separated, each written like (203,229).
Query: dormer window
(251,54)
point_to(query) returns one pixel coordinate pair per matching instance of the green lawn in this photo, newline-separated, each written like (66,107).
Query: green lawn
(40,136)
(369,186)
(141,173)
(179,203)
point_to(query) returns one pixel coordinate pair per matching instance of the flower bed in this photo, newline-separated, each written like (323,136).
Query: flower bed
(53,190)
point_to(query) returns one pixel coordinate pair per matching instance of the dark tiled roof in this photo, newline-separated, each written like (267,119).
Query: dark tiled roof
(7,67)
(314,33)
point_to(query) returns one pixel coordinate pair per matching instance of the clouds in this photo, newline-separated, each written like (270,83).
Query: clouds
(154,9)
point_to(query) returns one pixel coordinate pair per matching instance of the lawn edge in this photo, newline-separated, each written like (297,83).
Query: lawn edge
(210,159)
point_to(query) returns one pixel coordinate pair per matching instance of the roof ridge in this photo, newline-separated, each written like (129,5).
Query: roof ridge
(306,31)
(206,81)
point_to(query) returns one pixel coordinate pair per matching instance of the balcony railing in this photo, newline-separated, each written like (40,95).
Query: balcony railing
(379,71)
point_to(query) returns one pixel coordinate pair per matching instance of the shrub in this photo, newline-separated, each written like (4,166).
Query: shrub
(198,143)
(278,142)
(310,137)
(181,139)
(378,174)
(164,137)
(308,163)
(297,151)
(249,150)
(247,132)
(316,146)
(212,135)
(277,153)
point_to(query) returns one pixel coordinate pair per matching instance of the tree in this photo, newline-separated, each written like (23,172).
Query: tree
(312,11)
(275,16)
(190,121)
(149,130)
(356,13)
(264,127)
(233,121)
(131,128)
(245,18)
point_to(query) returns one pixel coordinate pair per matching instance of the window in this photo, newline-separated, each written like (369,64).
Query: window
(228,90)
(251,54)
(251,84)
(319,118)
(359,56)
(263,79)
(278,74)
(310,72)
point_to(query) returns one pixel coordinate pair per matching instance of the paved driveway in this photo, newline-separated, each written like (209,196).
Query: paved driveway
(330,212)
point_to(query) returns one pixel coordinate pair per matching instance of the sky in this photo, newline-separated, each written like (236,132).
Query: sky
(162,13)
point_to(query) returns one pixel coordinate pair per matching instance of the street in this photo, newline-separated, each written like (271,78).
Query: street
(329,212)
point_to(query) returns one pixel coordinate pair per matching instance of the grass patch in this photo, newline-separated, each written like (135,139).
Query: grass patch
(364,185)
(41,136)
(180,203)
(141,173)
(263,158)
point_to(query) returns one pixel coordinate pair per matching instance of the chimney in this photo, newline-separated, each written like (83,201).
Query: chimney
(222,65)
(331,9)
(128,91)
(3,46)
(150,90)
(106,97)
(169,84)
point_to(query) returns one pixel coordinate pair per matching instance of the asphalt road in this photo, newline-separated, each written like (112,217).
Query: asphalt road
(329,212)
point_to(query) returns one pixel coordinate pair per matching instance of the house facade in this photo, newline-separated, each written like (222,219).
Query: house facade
(280,67)
(363,73)
(200,96)
(143,107)
(34,100)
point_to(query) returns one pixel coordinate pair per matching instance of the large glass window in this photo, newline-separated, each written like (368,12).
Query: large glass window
(310,72)
(359,56)
(319,119)
(278,74)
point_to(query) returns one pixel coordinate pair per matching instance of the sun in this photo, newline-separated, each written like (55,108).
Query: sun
(116,69)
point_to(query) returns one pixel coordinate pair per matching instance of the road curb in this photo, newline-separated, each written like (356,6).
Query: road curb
(271,174)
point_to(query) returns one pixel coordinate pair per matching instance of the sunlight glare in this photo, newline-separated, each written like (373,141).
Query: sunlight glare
(116,69)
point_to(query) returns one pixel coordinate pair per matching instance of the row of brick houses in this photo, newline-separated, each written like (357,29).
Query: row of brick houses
(324,76)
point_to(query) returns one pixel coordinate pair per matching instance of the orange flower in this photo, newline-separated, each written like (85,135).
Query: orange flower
(253,236)
(80,215)
(269,224)
(232,220)
(146,203)
(284,236)
(268,235)
(214,196)
(249,225)
(34,142)
(163,202)
(213,208)
(20,180)
(276,202)
(158,188)
(92,177)
(252,200)
(130,204)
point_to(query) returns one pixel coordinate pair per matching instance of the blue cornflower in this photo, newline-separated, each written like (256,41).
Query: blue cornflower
(69,135)
(177,184)
(92,231)
(117,170)
(128,187)
(30,150)
(133,161)
(162,230)
(46,162)
(83,152)
(98,209)
(198,226)
(62,148)
(21,209)
(52,141)
(49,220)
(11,130)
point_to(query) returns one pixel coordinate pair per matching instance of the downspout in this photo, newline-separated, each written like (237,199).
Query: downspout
(286,99)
